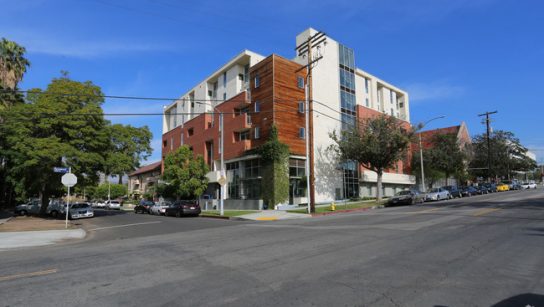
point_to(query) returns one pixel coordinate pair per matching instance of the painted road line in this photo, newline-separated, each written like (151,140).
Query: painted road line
(485,211)
(265,218)
(426,211)
(126,225)
(32,274)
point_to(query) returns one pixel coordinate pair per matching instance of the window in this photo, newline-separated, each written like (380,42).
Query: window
(172,143)
(224,96)
(233,178)
(164,143)
(192,104)
(301,132)
(241,77)
(297,168)
(181,141)
(190,131)
(210,93)
(301,106)
(244,135)
(257,133)
(252,168)
(392,112)
(225,79)
(257,107)
(257,81)
(366,85)
(367,103)
(391,96)
(300,82)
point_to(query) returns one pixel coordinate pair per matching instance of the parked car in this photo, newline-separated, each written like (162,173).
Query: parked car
(31,207)
(528,185)
(491,187)
(99,204)
(437,194)
(182,208)
(454,191)
(80,210)
(159,208)
(113,205)
(56,208)
(469,191)
(482,189)
(407,198)
(143,207)
(502,187)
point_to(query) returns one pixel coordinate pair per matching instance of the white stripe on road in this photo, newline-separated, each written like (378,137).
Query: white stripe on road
(126,225)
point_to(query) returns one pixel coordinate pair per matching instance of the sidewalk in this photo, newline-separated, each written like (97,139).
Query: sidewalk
(272,215)
(10,240)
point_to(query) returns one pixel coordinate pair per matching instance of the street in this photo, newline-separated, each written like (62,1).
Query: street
(477,251)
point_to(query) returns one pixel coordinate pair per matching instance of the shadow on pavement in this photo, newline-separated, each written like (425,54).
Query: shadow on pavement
(526,299)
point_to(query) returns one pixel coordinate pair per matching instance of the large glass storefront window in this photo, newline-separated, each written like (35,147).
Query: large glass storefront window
(297,179)
(350,179)
(244,179)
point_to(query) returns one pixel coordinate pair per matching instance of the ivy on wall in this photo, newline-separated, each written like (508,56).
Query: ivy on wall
(275,170)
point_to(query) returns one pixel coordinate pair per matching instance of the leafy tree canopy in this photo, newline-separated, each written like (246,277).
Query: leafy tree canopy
(185,174)
(377,143)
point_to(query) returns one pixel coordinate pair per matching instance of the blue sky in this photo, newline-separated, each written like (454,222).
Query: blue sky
(456,58)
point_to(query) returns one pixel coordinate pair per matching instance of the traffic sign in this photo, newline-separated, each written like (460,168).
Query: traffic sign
(60,170)
(69,180)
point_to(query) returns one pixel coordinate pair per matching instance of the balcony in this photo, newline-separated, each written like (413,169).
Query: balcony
(241,122)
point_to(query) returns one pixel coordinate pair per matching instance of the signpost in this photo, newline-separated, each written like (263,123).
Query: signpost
(68,180)
(62,170)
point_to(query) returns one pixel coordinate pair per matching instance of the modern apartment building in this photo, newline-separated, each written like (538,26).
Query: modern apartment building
(255,92)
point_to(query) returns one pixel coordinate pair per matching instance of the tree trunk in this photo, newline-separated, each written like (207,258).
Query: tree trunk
(379,185)
(120,178)
(447,176)
(44,199)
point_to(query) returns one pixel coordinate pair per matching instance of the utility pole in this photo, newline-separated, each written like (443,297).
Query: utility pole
(306,48)
(488,130)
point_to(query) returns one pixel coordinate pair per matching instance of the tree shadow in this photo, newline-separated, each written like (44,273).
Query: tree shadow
(525,299)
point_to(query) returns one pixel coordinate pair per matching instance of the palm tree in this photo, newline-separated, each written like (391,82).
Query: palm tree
(13,64)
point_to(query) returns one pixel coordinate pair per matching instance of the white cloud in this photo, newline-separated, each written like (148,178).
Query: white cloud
(50,43)
(422,92)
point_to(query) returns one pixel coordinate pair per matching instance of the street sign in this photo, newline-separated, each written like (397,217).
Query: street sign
(69,180)
(222,180)
(60,170)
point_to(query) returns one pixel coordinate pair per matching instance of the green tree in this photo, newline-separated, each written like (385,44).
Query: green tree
(129,145)
(431,174)
(13,64)
(376,143)
(185,174)
(115,190)
(446,155)
(275,170)
(508,155)
(62,125)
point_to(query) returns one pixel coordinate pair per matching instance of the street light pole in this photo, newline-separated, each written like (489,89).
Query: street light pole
(421,153)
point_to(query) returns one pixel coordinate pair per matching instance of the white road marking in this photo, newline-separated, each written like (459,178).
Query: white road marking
(126,225)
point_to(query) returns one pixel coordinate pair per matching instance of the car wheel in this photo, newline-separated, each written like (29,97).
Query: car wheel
(23,213)
(54,214)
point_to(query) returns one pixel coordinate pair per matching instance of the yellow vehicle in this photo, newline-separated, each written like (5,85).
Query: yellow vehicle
(501,187)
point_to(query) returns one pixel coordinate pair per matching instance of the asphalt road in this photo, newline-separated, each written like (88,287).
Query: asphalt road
(481,251)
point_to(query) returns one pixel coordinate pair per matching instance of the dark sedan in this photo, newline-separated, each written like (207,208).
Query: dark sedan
(182,208)
(491,187)
(143,207)
(407,198)
(469,191)
(454,191)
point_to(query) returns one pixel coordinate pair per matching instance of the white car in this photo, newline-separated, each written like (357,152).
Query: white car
(113,204)
(528,185)
(437,194)
(99,204)
(159,208)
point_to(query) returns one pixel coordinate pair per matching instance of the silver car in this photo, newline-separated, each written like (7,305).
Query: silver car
(437,194)
(31,207)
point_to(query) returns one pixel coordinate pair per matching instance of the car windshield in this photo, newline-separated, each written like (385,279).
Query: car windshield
(435,190)
(401,193)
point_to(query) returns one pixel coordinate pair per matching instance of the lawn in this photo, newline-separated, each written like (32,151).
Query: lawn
(340,206)
(228,213)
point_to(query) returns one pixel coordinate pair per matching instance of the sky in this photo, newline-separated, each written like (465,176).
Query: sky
(454,58)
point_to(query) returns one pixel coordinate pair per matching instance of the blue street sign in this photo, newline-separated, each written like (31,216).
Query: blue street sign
(60,169)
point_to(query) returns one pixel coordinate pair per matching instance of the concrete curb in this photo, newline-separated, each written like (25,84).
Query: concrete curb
(217,217)
(19,239)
